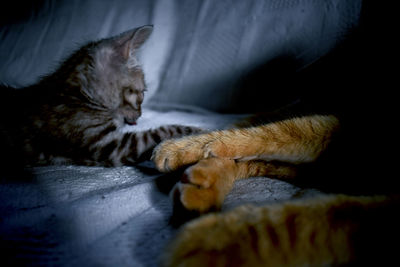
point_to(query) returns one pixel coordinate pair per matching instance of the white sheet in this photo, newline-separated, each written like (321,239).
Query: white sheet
(94,216)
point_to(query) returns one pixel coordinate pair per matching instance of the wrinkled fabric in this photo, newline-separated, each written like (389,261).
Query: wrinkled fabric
(199,50)
(91,216)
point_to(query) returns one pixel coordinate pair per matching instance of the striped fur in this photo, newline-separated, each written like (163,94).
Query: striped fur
(76,114)
(112,148)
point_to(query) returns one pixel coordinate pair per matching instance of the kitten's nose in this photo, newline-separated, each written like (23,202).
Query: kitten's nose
(130,121)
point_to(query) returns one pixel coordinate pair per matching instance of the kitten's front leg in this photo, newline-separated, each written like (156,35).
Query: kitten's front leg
(115,149)
(153,137)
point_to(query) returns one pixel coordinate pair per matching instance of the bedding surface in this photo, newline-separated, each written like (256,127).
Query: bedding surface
(95,216)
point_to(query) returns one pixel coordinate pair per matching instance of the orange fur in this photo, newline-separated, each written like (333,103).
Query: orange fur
(330,230)
(207,183)
(296,140)
(310,232)
(226,156)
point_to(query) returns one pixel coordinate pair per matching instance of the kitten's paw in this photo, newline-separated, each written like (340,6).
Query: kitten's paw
(204,186)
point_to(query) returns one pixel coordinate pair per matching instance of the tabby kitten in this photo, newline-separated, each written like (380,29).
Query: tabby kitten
(321,231)
(75,115)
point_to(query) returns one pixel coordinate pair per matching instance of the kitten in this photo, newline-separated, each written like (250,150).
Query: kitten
(75,115)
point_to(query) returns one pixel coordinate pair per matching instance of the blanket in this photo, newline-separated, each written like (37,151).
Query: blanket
(98,216)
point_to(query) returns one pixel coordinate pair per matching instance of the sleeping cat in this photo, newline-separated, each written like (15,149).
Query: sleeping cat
(348,149)
(325,230)
(75,114)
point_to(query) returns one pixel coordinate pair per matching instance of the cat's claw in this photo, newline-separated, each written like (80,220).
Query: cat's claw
(166,168)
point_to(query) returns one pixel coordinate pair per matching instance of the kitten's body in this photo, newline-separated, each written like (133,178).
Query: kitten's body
(350,150)
(75,114)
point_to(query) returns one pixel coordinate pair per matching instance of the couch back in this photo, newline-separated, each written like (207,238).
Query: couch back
(202,52)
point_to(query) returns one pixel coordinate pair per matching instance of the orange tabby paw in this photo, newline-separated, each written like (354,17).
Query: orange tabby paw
(165,156)
(203,186)
(197,189)
(172,154)
(194,198)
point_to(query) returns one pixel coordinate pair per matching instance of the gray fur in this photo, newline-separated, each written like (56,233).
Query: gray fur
(75,114)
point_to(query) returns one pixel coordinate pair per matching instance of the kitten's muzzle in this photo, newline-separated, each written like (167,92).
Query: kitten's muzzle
(129,121)
(129,114)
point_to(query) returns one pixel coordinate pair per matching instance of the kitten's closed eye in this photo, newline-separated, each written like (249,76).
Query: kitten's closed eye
(133,98)
(129,90)
(132,90)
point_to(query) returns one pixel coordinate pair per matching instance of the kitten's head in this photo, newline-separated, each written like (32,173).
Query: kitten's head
(110,76)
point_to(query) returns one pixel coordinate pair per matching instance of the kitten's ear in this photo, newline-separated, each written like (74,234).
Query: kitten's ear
(128,42)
